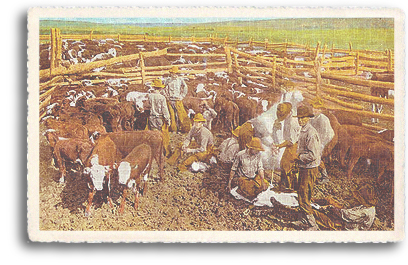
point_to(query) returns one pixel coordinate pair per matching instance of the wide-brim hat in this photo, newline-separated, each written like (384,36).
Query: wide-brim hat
(255,144)
(317,103)
(158,83)
(199,118)
(304,111)
(283,110)
(236,131)
(174,69)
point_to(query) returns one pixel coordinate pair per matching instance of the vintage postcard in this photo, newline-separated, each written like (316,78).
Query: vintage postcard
(215,124)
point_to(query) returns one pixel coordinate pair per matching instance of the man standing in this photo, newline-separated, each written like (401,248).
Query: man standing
(159,113)
(326,133)
(309,158)
(208,113)
(199,144)
(176,90)
(291,130)
(248,165)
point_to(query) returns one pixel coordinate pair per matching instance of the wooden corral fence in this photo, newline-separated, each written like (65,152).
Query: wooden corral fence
(312,70)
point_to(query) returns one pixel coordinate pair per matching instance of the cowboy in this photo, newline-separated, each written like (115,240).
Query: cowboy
(248,165)
(228,150)
(208,113)
(326,133)
(245,134)
(291,130)
(199,144)
(176,90)
(308,161)
(159,118)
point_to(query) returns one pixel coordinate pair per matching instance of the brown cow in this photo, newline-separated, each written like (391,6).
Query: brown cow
(71,150)
(127,141)
(100,164)
(228,113)
(194,103)
(65,130)
(381,153)
(135,166)
(346,118)
(247,109)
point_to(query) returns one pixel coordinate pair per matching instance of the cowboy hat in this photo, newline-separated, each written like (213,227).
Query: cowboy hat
(158,83)
(283,110)
(236,131)
(255,144)
(304,111)
(317,103)
(174,69)
(199,118)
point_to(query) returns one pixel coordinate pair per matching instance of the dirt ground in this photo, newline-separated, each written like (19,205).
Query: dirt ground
(185,201)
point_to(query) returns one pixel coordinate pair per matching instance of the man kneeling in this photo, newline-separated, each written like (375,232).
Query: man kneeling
(248,165)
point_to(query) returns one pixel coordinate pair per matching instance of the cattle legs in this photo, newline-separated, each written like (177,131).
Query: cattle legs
(88,207)
(123,201)
(136,191)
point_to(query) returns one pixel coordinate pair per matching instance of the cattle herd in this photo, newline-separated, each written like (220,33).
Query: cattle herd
(100,127)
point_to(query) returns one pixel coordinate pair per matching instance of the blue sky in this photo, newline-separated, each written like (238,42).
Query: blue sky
(157,19)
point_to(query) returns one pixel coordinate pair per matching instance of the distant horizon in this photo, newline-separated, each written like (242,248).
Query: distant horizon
(149,20)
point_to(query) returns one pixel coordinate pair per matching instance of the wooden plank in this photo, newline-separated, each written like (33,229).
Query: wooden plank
(51,82)
(45,102)
(359,96)
(196,54)
(357,81)
(47,93)
(85,67)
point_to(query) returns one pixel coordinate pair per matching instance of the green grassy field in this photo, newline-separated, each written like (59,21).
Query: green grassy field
(371,34)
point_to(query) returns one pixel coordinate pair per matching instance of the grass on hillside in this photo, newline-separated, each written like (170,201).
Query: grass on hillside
(361,38)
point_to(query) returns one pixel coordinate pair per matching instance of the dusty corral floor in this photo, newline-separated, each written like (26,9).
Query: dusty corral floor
(184,201)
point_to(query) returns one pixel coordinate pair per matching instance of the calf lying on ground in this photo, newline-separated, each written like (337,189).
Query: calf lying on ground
(131,170)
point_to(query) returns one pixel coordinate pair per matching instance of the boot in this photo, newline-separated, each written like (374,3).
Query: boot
(175,157)
(324,177)
(312,222)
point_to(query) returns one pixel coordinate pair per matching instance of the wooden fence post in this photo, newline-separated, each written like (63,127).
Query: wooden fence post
(250,43)
(225,40)
(52,49)
(332,50)
(317,64)
(142,67)
(118,37)
(286,46)
(90,35)
(58,57)
(389,66)
(228,58)
(274,72)
(266,44)
(357,61)
(324,51)
(350,46)
(56,49)
(235,69)
(317,50)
